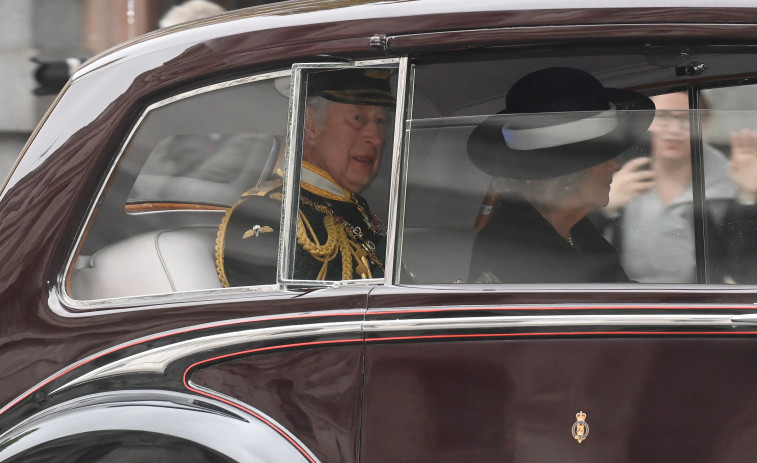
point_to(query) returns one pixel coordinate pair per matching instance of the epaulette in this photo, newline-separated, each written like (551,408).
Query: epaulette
(257,213)
(266,188)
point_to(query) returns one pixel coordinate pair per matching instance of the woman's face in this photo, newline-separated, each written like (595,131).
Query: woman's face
(594,191)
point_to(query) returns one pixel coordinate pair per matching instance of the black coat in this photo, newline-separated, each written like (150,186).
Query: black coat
(518,245)
(739,236)
(247,244)
(363,232)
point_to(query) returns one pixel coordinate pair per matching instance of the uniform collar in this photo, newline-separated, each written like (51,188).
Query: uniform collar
(319,182)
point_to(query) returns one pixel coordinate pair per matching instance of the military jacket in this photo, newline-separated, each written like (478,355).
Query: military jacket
(338,236)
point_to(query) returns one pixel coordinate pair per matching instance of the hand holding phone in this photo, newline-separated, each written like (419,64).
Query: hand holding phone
(631,181)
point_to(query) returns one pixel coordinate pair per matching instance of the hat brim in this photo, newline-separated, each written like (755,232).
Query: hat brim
(489,152)
(371,97)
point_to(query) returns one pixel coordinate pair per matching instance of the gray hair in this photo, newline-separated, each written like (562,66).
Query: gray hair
(542,191)
(319,106)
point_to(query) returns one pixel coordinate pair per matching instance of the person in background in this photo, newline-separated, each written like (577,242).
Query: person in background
(740,225)
(554,166)
(189,11)
(651,206)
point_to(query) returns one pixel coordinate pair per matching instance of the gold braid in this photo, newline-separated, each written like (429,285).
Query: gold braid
(315,248)
(337,241)
(344,248)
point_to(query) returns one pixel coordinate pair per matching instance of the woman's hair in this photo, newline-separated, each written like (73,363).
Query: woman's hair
(543,191)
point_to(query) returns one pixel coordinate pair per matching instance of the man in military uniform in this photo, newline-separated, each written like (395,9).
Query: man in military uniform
(338,236)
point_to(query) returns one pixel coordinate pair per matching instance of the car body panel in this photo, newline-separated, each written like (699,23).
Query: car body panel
(486,377)
(316,399)
(511,398)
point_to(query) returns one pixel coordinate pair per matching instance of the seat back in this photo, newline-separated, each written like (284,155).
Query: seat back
(156,262)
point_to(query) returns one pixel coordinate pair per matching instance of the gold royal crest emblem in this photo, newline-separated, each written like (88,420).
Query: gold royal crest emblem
(580,428)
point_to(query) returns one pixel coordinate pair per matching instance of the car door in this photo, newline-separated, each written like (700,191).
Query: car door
(144,345)
(460,368)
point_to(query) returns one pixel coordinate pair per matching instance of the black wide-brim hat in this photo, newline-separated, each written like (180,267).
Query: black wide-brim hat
(558,121)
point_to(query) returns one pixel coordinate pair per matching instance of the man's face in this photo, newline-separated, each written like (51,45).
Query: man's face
(347,143)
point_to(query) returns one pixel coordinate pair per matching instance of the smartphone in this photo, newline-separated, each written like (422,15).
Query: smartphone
(642,147)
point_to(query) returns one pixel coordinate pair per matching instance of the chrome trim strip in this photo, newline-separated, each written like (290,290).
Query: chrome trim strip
(82,305)
(167,334)
(748,319)
(217,86)
(156,360)
(292,161)
(377,62)
(207,422)
(559,321)
(88,308)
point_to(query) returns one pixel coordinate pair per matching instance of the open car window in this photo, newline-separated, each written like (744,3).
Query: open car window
(187,162)
(674,203)
(344,127)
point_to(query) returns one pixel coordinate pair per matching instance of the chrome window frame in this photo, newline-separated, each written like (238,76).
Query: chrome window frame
(399,184)
(293,162)
(73,307)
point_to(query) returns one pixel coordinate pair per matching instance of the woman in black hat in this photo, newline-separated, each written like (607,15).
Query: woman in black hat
(553,151)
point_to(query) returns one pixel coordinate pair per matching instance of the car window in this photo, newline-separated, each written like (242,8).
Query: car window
(729,121)
(509,182)
(347,135)
(684,210)
(654,221)
(187,163)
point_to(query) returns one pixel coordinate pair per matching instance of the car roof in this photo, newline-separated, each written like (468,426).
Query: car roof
(423,16)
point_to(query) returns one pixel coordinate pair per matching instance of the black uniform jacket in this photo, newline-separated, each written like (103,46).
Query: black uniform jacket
(338,237)
(518,245)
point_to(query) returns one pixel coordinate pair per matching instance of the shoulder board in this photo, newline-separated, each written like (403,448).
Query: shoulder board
(265,188)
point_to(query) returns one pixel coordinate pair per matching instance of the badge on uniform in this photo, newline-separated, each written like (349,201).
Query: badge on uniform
(257,230)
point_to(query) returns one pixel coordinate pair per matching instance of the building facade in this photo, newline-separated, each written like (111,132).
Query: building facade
(35,32)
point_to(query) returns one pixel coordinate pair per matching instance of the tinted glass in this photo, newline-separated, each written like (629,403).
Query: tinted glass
(189,161)
(728,127)
(650,215)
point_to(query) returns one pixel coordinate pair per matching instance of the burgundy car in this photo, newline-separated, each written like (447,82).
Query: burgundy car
(118,341)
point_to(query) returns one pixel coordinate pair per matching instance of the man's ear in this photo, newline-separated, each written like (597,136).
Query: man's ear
(310,137)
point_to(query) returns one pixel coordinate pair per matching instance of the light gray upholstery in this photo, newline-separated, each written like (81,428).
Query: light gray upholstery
(437,255)
(150,263)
